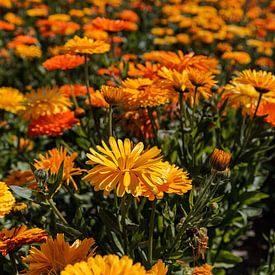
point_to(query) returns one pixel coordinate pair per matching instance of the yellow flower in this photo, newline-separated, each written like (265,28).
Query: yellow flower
(11,99)
(263,82)
(54,255)
(158,269)
(145,92)
(112,95)
(13,18)
(105,265)
(237,57)
(124,167)
(86,46)
(52,162)
(6,200)
(19,206)
(17,236)
(44,101)
(177,79)
(60,17)
(25,51)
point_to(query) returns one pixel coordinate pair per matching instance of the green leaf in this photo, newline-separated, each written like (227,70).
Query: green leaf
(252,197)
(22,192)
(117,242)
(228,258)
(69,230)
(191,199)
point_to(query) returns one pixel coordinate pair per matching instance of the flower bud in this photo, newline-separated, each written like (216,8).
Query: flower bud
(79,112)
(220,160)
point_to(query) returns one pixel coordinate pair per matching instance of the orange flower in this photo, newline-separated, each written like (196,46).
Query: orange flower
(52,162)
(237,57)
(86,46)
(6,26)
(14,238)
(97,100)
(112,95)
(269,110)
(113,25)
(24,178)
(158,269)
(76,89)
(128,15)
(63,62)
(220,160)
(52,125)
(205,269)
(6,200)
(22,40)
(149,70)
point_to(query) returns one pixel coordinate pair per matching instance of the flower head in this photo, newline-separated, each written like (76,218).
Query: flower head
(124,168)
(78,45)
(220,160)
(14,238)
(21,178)
(11,99)
(158,269)
(52,162)
(54,255)
(6,200)
(25,51)
(52,125)
(112,95)
(105,265)
(44,102)
(205,269)
(113,25)
(63,62)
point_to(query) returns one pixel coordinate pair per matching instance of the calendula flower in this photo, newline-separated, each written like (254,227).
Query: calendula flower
(113,25)
(21,40)
(6,26)
(7,200)
(55,254)
(63,62)
(144,92)
(28,52)
(19,206)
(124,168)
(174,181)
(41,10)
(13,18)
(98,100)
(263,82)
(205,269)
(237,57)
(11,99)
(76,89)
(112,95)
(21,178)
(16,237)
(105,265)
(220,160)
(52,125)
(176,79)
(158,269)
(78,45)
(52,162)
(269,110)
(44,102)
(148,70)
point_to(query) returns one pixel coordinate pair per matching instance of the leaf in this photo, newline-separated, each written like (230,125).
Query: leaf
(69,230)
(117,242)
(108,220)
(228,258)
(191,199)
(22,192)
(252,197)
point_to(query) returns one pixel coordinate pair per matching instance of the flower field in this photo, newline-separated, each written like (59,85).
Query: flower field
(137,137)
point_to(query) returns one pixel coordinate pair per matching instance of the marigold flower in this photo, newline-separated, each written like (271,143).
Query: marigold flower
(11,99)
(41,10)
(124,168)
(22,39)
(205,269)
(44,102)
(97,99)
(113,25)
(237,57)
(19,206)
(6,200)
(6,26)
(76,89)
(144,92)
(263,82)
(21,178)
(105,265)
(85,45)
(112,95)
(269,110)
(25,51)
(16,237)
(13,18)
(128,15)
(63,62)
(220,160)
(52,125)
(148,70)
(52,162)
(158,269)
(55,254)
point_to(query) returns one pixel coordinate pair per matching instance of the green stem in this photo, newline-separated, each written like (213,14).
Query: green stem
(13,263)
(200,202)
(192,125)
(124,226)
(57,212)
(182,123)
(150,113)
(151,233)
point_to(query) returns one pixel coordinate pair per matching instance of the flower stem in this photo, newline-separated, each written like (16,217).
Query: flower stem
(151,233)
(57,212)
(124,208)
(150,113)
(192,125)
(200,202)
(110,120)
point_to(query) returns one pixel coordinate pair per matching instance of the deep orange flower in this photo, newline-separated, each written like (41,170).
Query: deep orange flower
(63,62)
(52,125)
(22,39)
(269,110)
(76,89)
(21,178)
(113,25)
(97,100)
(128,15)
(6,26)
(16,237)
(149,70)
(237,57)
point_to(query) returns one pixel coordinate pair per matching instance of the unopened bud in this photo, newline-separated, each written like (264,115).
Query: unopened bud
(220,160)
